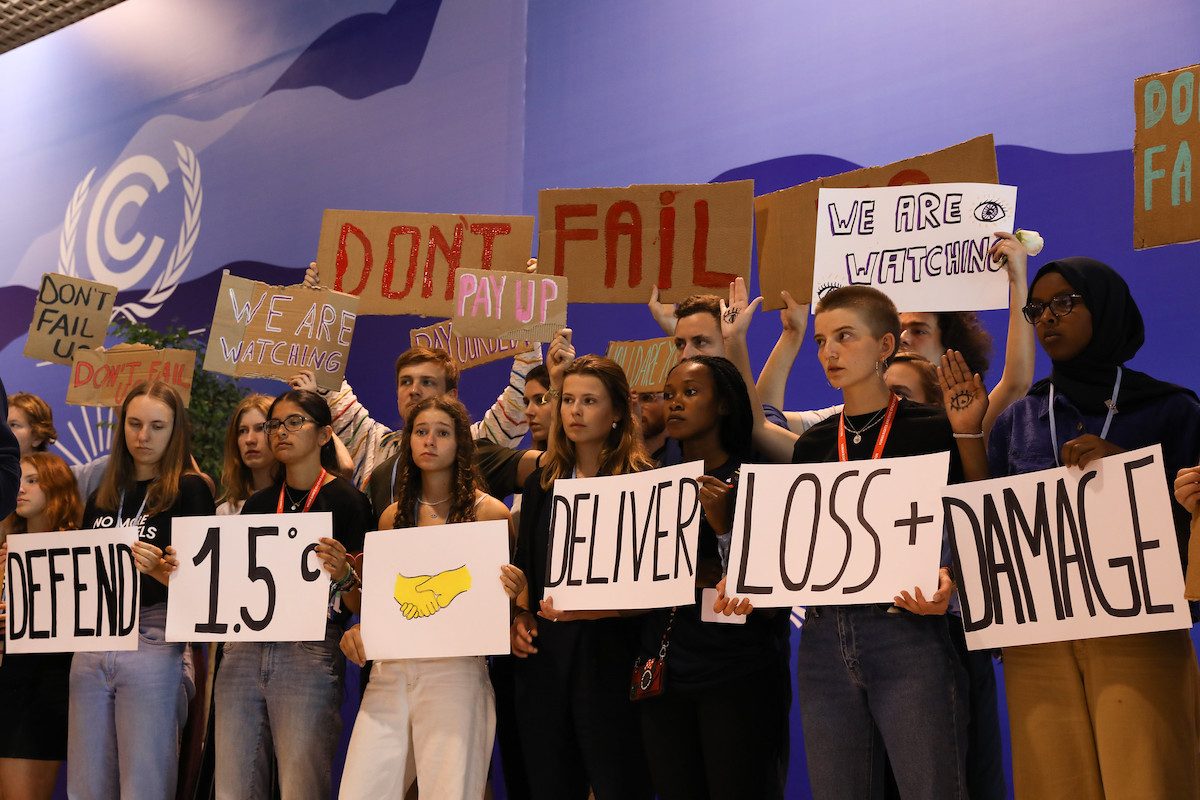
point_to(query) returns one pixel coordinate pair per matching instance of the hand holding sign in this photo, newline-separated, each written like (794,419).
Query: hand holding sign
(935,605)
(153,562)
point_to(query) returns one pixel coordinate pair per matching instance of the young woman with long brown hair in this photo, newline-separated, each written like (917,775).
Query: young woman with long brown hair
(572,684)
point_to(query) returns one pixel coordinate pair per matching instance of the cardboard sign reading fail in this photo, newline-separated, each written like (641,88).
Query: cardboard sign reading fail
(617,244)
(104,377)
(510,305)
(70,313)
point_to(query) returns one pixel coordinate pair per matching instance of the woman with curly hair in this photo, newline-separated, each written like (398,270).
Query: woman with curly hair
(34,687)
(572,683)
(428,719)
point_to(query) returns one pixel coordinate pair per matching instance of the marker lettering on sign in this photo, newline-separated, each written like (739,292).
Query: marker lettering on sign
(1052,536)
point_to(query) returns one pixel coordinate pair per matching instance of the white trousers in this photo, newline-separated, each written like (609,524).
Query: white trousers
(426,719)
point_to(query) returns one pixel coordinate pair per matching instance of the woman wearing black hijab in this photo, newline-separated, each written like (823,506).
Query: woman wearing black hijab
(1114,716)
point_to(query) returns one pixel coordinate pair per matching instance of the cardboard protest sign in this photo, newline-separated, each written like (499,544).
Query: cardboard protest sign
(837,533)
(104,377)
(399,263)
(249,578)
(466,351)
(1167,109)
(72,591)
(261,331)
(1067,554)
(646,363)
(435,592)
(69,313)
(510,305)
(786,221)
(617,244)
(926,247)
(625,541)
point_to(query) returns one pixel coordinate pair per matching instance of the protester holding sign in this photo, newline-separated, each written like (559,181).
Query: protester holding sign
(286,696)
(1113,716)
(716,677)
(429,719)
(896,687)
(573,680)
(128,708)
(34,687)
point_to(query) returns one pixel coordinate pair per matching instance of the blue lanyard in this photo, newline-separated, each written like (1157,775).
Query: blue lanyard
(1112,409)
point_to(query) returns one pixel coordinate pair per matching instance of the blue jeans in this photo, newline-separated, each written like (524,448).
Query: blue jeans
(872,681)
(126,715)
(280,697)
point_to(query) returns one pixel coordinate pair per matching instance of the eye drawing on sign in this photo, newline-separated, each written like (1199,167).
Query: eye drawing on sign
(990,211)
(826,288)
(425,595)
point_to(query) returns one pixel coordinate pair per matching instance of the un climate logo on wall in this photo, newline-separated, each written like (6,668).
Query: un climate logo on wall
(135,254)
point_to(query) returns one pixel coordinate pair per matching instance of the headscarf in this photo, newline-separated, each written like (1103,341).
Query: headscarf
(1117,334)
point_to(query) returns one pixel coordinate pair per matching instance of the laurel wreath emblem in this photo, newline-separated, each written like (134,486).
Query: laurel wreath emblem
(181,256)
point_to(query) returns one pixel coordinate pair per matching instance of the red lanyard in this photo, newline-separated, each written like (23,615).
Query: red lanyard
(880,440)
(312,493)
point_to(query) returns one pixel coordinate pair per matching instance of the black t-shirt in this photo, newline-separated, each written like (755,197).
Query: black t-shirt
(917,430)
(194,500)
(703,655)
(351,516)
(497,464)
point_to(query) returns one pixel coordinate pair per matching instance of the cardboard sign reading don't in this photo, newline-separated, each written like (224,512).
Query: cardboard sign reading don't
(786,221)
(70,313)
(261,331)
(1167,109)
(104,377)
(510,305)
(399,263)
(616,245)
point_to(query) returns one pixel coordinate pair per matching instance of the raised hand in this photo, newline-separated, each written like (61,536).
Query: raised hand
(663,313)
(963,394)
(737,312)
(312,278)
(793,315)
(559,356)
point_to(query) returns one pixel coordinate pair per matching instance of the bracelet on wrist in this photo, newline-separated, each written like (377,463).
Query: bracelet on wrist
(518,611)
(969,435)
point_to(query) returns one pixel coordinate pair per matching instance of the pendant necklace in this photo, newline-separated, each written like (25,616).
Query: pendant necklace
(432,506)
(875,420)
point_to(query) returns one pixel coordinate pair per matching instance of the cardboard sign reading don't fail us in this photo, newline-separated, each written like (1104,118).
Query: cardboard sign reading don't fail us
(104,377)
(70,313)
(616,245)
(262,331)
(1165,141)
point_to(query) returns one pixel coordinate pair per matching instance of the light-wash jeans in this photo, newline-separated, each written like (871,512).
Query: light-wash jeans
(126,716)
(280,697)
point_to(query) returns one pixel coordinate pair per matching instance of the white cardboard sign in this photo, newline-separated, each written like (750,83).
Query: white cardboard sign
(625,541)
(249,578)
(837,533)
(1067,554)
(435,591)
(924,246)
(72,591)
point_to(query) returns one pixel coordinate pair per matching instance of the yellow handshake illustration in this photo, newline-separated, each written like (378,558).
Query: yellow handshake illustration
(424,595)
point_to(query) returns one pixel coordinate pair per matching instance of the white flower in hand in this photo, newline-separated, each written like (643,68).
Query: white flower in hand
(1032,240)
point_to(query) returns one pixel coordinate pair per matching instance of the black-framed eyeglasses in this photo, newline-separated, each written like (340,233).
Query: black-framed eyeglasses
(1059,305)
(293,422)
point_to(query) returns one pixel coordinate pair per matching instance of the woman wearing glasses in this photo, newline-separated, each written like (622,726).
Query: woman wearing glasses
(1114,716)
(127,709)
(285,696)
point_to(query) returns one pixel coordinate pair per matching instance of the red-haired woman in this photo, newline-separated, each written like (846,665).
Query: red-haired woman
(33,688)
